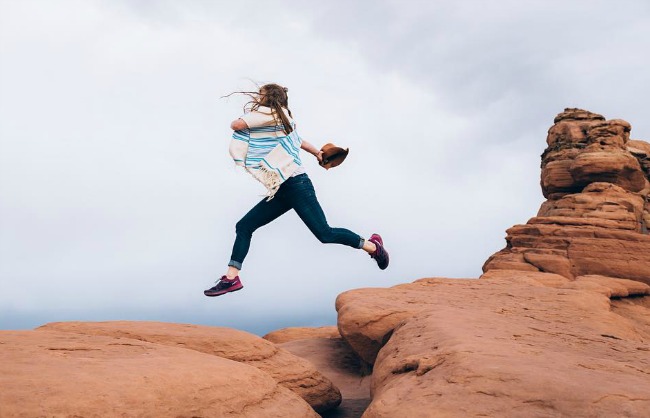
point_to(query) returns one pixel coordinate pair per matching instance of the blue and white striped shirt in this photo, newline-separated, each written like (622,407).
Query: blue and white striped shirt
(264,134)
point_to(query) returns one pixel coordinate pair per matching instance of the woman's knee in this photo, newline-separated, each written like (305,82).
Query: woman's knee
(244,228)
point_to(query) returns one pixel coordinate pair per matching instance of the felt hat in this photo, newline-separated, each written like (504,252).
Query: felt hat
(333,155)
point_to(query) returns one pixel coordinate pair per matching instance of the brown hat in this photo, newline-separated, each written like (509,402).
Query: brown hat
(333,155)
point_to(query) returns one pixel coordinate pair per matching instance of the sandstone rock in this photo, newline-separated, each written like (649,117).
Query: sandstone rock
(335,359)
(574,114)
(609,286)
(288,370)
(598,204)
(525,277)
(556,177)
(582,149)
(522,341)
(641,151)
(48,373)
(638,147)
(597,216)
(558,325)
(508,259)
(511,344)
(300,333)
(634,310)
(554,261)
(619,168)
(599,251)
(364,328)
(367,317)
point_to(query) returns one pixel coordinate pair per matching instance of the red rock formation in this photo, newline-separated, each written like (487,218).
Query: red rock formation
(514,343)
(596,218)
(63,374)
(290,371)
(555,326)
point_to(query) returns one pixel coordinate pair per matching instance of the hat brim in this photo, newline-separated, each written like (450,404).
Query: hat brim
(333,156)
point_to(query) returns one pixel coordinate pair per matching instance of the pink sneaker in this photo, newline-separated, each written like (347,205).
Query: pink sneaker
(380,255)
(223,286)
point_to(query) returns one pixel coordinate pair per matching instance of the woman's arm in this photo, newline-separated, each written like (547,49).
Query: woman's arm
(312,150)
(238,125)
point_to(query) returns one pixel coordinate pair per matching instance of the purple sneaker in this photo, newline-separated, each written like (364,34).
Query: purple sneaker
(223,286)
(380,255)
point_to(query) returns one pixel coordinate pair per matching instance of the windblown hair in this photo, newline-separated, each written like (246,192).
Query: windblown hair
(273,96)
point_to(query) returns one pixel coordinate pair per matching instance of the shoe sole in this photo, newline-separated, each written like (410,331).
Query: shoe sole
(222,293)
(387,262)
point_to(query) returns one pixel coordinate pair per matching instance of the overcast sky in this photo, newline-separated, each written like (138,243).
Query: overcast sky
(118,199)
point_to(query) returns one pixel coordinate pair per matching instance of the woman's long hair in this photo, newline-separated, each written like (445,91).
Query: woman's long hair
(273,96)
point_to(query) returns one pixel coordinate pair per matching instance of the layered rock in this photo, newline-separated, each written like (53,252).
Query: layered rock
(49,373)
(596,218)
(511,344)
(292,372)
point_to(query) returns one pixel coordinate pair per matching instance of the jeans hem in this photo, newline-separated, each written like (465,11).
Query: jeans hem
(235,264)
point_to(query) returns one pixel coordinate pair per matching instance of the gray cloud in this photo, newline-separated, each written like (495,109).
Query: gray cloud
(518,62)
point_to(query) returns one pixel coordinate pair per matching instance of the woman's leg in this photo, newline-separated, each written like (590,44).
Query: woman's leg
(303,200)
(261,214)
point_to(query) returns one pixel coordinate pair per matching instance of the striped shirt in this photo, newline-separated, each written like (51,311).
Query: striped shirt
(264,134)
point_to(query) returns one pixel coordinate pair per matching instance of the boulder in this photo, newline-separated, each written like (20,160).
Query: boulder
(290,371)
(620,168)
(584,148)
(50,373)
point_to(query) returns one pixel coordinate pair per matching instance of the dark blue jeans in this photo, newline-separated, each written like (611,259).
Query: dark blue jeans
(296,193)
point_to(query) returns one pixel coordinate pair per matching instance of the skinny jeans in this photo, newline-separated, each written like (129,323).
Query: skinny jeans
(295,193)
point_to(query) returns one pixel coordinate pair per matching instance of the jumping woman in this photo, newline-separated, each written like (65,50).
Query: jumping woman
(266,144)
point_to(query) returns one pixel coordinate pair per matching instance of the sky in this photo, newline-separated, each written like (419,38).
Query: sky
(118,199)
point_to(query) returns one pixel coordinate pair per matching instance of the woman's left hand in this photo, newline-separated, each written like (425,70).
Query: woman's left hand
(319,156)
